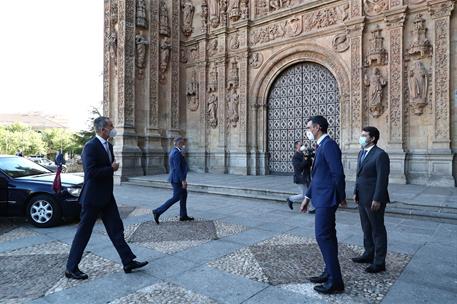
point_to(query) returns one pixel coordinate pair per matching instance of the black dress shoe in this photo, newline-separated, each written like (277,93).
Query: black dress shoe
(375,268)
(362,259)
(335,288)
(289,203)
(312,211)
(185,218)
(76,275)
(134,265)
(156,217)
(320,279)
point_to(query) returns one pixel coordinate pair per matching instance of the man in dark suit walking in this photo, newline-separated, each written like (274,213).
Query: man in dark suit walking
(301,164)
(327,190)
(371,194)
(97,199)
(177,177)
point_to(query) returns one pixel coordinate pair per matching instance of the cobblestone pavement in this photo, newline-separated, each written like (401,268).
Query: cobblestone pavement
(236,251)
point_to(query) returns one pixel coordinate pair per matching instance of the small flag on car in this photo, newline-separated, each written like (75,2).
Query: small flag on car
(57,184)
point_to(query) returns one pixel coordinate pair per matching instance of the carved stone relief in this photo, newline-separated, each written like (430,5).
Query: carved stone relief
(244,9)
(418,87)
(183,55)
(214,11)
(212,110)
(212,47)
(264,7)
(375,7)
(234,11)
(165,48)
(204,16)
(341,42)
(164,26)
(234,41)
(212,78)
(188,10)
(419,42)
(377,54)
(192,92)
(233,74)
(141,19)
(141,50)
(233,101)
(193,52)
(375,83)
(255,60)
(325,17)
(294,26)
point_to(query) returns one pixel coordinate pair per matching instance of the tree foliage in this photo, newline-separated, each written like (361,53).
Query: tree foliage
(17,137)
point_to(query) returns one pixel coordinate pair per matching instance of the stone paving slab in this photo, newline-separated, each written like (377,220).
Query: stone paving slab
(288,261)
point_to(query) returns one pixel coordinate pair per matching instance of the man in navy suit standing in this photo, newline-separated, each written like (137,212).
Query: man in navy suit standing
(327,191)
(177,178)
(97,199)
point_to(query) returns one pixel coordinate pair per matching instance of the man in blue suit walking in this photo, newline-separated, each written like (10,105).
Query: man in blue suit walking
(177,178)
(327,191)
(97,199)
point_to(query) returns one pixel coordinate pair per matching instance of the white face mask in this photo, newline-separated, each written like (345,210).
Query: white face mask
(363,141)
(112,133)
(302,148)
(310,135)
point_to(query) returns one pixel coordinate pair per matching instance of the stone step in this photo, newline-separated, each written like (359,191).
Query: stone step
(441,214)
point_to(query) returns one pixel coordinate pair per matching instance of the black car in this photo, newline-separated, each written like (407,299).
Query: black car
(26,190)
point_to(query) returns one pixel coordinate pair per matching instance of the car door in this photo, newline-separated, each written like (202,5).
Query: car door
(3,195)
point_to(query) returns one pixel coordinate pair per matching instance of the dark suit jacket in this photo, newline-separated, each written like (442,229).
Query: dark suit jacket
(178,166)
(300,164)
(328,186)
(97,190)
(373,177)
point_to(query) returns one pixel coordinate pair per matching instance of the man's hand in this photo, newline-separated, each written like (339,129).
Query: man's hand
(115,166)
(375,206)
(344,203)
(356,198)
(304,205)
(184,184)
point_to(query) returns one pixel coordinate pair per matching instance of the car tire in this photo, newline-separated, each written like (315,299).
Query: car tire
(43,211)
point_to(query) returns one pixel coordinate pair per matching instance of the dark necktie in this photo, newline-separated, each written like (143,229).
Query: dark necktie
(364,154)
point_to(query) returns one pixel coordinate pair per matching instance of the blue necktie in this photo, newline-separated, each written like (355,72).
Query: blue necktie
(363,155)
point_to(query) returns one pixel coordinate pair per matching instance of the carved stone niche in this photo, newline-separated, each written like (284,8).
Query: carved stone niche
(212,78)
(418,87)
(375,83)
(233,77)
(419,42)
(377,54)
(192,92)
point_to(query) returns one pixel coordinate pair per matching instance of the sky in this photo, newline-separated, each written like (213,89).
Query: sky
(51,57)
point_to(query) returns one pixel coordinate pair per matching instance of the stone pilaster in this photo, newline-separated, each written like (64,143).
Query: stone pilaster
(395,22)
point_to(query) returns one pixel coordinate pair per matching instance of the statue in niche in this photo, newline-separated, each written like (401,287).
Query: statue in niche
(213,8)
(192,92)
(212,110)
(235,41)
(204,16)
(212,47)
(188,10)
(141,45)
(164,28)
(377,54)
(375,84)
(165,47)
(233,78)
(234,10)
(212,78)
(419,42)
(233,100)
(223,11)
(244,9)
(141,16)
(418,87)
(112,41)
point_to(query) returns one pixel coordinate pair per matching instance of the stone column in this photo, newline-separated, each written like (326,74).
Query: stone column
(153,150)
(218,159)
(125,144)
(441,155)
(395,20)
(107,74)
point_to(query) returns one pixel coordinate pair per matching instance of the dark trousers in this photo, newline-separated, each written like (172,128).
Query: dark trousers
(179,194)
(328,243)
(114,227)
(374,233)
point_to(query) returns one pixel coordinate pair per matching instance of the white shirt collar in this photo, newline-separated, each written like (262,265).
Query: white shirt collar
(368,149)
(101,139)
(321,138)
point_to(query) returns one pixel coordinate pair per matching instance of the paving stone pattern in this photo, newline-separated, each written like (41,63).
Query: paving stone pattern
(288,261)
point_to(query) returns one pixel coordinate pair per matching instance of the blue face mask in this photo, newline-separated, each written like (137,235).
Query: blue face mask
(363,141)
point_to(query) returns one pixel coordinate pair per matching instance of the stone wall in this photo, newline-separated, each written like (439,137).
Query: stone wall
(204,69)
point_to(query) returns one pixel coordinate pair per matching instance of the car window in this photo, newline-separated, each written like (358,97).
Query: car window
(20,167)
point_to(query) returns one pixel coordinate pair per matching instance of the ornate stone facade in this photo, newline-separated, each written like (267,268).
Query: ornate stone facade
(211,70)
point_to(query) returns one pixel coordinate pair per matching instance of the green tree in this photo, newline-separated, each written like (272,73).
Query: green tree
(17,137)
(57,139)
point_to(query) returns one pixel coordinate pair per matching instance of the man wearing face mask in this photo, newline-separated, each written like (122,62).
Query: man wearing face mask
(300,163)
(177,178)
(371,194)
(97,199)
(327,190)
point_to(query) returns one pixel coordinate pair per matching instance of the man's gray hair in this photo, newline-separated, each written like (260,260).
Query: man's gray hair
(100,123)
